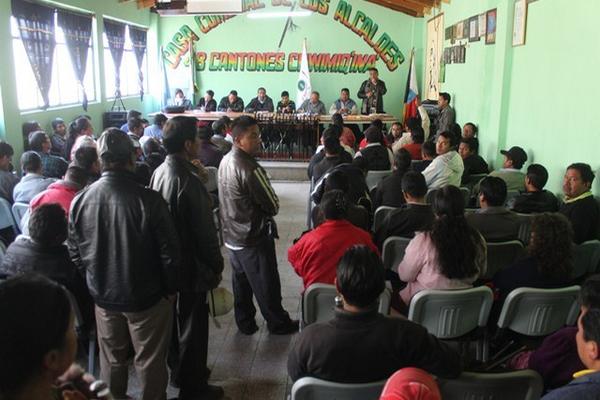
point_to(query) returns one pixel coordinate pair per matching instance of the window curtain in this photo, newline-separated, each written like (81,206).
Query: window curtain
(36,28)
(115,33)
(78,33)
(138,38)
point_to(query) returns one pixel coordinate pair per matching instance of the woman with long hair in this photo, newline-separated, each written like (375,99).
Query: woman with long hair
(549,260)
(79,134)
(347,137)
(452,255)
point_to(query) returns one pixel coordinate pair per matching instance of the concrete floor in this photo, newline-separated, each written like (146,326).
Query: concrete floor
(255,367)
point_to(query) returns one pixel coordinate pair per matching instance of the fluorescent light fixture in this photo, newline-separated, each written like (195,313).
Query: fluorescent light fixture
(282,14)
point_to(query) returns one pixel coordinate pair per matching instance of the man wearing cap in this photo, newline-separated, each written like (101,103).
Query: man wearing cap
(191,206)
(122,236)
(248,204)
(514,158)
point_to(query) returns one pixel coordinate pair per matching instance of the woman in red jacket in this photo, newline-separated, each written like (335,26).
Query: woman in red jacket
(316,254)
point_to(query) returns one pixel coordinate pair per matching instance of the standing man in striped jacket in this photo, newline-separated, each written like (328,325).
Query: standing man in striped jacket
(248,204)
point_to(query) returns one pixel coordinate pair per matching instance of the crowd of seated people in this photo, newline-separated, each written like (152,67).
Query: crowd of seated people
(447,249)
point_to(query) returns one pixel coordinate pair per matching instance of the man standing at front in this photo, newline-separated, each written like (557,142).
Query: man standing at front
(178,182)
(122,236)
(248,204)
(371,92)
(447,115)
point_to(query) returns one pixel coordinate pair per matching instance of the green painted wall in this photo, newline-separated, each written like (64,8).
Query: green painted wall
(10,116)
(323,34)
(539,96)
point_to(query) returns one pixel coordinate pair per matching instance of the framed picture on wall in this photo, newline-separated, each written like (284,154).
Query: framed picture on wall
(460,30)
(448,33)
(465,29)
(519,23)
(474,29)
(490,30)
(482,25)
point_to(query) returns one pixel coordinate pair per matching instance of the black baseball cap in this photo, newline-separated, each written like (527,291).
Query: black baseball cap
(115,145)
(517,155)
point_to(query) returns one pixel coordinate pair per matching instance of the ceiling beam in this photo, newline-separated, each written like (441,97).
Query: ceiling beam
(397,7)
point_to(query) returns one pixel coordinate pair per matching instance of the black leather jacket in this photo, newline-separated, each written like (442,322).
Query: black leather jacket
(123,237)
(191,207)
(247,201)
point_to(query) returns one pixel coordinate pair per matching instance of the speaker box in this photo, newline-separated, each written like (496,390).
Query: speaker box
(114,119)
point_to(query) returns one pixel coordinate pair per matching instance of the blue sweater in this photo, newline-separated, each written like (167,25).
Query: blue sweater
(586,387)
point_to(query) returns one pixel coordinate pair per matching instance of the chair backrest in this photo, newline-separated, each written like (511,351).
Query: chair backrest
(586,258)
(212,183)
(393,251)
(380,214)
(6,216)
(18,211)
(539,312)
(511,194)
(501,255)
(449,314)
(318,303)
(466,192)
(2,251)
(429,195)
(525,228)
(475,179)
(311,203)
(373,178)
(518,385)
(318,389)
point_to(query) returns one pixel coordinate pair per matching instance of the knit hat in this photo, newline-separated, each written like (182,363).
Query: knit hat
(411,384)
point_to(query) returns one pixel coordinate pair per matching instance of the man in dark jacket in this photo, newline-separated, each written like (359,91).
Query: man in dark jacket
(44,252)
(389,189)
(231,103)
(376,156)
(580,206)
(359,345)
(248,204)
(178,182)
(208,153)
(261,102)
(415,215)
(334,155)
(535,199)
(371,92)
(493,220)
(123,237)
(473,162)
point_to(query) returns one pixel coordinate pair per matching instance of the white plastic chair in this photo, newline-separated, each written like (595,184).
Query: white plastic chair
(211,184)
(318,303)
(393,251)
(453,314)
(380,214)
(19,210)
(318,389)
(539,312)
(586,258)
(373,178)
(501,255)
(6,216)
(519,385)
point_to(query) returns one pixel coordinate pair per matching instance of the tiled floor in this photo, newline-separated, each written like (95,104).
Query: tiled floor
(255,367)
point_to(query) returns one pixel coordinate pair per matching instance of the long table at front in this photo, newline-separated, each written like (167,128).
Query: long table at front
(287,136)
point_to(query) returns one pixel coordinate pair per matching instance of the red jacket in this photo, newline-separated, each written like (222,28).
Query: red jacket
(415,150)
(60,192)
(316,255)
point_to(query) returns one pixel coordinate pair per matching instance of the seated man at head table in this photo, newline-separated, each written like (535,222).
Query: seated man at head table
(313,105)
(344,105)
(231,103)
(261,102)
(208,102)
(285,105)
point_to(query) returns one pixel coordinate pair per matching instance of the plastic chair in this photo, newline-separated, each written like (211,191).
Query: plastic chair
(519,385)
(454,314)
(380,215)
(393,251)
(525,228)
(18,211)
(586,258)
(500,255)
(539,312)
(318,389)
(466,192)
(511,194)
(311,204)
(429,195)
(373,178)
(213,176)
(2,251)
(318,303)
(91,334)
(6,216)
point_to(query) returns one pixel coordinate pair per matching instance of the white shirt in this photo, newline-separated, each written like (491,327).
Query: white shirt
(446,169)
